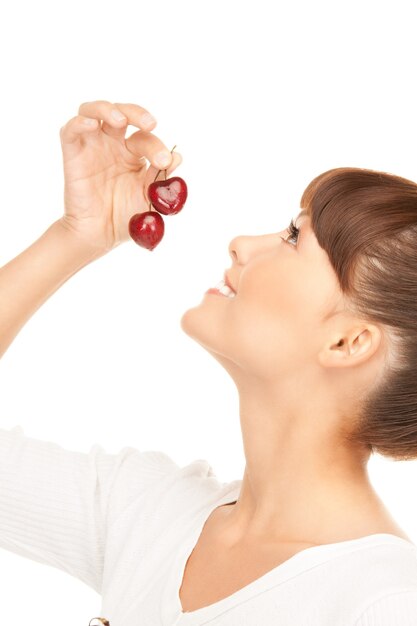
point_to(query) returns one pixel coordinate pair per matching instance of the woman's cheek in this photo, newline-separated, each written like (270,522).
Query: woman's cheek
(262,334)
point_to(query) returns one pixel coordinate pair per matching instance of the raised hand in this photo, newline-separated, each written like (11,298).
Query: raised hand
(106,174)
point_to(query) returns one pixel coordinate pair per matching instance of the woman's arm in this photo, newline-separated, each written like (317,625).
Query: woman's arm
(106,182)
(29,279)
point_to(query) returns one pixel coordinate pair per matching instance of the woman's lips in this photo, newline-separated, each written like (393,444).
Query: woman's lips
(221,289)
(216,292)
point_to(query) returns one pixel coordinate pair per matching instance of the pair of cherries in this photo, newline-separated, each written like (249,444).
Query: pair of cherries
(167,197)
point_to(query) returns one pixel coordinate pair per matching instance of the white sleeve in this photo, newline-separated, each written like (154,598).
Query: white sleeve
(396,609)
(56,505)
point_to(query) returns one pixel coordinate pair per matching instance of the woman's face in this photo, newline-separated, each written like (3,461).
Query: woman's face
(276,321)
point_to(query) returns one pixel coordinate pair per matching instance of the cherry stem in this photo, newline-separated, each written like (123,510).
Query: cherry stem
(159,171)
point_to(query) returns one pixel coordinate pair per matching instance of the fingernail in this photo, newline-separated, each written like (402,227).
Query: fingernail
(147,119)
(117,115)
(163,158)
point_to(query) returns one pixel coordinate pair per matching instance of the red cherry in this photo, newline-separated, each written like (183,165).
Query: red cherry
(168,196)
(147,229)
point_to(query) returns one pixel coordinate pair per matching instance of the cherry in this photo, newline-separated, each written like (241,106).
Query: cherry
(168,196)
(147,229)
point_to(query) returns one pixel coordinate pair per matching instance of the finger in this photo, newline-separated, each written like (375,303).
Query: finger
(176,161)
(117,116)
(150,146)
(153,171)
(72,132)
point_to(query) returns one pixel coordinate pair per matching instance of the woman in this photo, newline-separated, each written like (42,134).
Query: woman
(320,340)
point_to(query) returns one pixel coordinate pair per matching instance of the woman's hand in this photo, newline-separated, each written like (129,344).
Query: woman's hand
(106,174)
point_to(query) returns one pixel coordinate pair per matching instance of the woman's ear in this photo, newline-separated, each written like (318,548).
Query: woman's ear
(354,346)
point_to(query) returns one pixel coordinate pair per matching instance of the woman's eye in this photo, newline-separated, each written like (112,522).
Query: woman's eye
(292,231)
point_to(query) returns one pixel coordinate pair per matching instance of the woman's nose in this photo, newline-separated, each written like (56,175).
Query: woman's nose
(236,249)
(242,248)
(232,250)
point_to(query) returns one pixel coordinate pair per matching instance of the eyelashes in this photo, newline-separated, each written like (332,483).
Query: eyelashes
(292,231)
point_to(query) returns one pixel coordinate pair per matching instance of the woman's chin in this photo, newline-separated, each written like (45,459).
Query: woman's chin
(189,321)
(202,332)
(196,324)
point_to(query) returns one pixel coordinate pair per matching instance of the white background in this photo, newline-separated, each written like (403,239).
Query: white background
(259,97)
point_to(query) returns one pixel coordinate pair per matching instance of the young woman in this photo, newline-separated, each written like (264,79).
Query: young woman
(319,335)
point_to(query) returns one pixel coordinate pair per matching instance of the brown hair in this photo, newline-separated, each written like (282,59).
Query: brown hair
(366,221)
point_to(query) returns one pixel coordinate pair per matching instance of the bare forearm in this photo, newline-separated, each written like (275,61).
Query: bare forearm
(29,279)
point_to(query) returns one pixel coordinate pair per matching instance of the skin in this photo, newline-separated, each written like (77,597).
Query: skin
(300,362)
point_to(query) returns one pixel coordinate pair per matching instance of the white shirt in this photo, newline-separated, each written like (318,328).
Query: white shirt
(126,523)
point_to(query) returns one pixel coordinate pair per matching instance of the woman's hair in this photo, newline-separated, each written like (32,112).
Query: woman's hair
(366,221)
